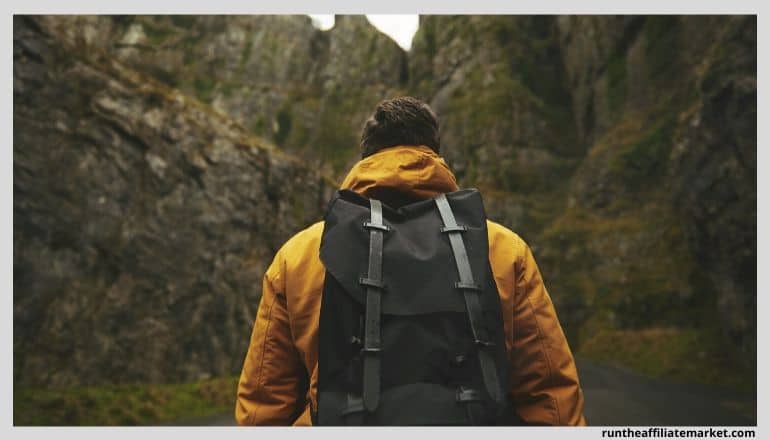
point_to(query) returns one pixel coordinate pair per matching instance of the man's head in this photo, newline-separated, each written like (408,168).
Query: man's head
(400,121)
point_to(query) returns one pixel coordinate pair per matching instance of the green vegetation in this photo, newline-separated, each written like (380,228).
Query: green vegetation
(613,248)
(618,262)
(685,354)
(259,126)
(246,53)
(137,404)
(284,125)
(184,21)
(662,35)
(335,139)
(616,82)
(624,274)
(428,32)
(538,209)
(157,33)
(644,161)
(204,88)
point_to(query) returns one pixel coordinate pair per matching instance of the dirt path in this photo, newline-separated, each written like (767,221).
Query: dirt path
(618,397)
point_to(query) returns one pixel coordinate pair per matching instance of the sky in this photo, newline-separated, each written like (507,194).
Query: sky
(401,28)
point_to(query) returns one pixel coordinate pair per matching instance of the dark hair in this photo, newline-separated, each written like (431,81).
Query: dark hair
(400,121)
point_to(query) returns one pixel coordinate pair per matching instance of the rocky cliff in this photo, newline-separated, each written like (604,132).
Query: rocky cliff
(305,90)
(154,175)
(624,150)
(143,220)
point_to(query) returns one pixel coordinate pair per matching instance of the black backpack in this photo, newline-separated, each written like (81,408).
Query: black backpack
(411,328)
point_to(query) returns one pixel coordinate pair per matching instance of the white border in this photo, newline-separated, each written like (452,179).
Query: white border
(389,7)
(356,6)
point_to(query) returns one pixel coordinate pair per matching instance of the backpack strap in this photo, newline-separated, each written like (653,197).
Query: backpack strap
(374,288)
(471,293)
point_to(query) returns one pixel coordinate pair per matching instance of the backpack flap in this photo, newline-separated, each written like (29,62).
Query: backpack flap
(417,256)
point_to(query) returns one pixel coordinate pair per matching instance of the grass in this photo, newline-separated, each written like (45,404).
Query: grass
(680,354)
(634,299)
(130,404)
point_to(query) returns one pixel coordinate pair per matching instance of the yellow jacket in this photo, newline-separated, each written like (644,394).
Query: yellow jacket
(278,383)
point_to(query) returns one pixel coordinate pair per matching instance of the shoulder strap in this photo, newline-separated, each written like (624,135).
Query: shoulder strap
(374,288)
(470,291)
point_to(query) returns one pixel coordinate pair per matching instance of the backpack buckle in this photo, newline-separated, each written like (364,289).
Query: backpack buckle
(368,282)
(467,286)
(467,395)
(381,227)
(483,344)
(454,228)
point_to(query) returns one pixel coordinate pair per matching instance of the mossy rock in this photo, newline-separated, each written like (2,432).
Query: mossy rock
(133,404)
(683,354)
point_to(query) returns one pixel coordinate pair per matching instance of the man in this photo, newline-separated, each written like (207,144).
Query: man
(401,165)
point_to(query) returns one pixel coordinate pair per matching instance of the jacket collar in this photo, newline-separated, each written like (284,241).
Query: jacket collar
(415,172)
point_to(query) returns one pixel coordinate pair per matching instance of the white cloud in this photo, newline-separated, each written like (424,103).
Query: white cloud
(401,28)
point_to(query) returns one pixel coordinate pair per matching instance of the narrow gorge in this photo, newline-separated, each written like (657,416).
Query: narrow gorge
(160,161)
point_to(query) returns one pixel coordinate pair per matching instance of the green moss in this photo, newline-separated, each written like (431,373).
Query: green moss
(480,104)
(537,209)
(501,30)
(135,404)
(189,45)
(373,56)
(616,82)
(662,35)
(284,125)
(728,55)
(643,163)
(631,268)
(428,30)
(259,126)
(184,21)
(509,104)
(684,354)
(246,53)
(628,292)
(156,33)
(534,42)
(335,139)
(296,133)
(204,88)
(524,178)
(227,88)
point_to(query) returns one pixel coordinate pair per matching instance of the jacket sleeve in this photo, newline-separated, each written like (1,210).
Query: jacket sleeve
(270,382)
(544,380)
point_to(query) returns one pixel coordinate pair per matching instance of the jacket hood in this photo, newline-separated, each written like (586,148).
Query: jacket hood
(410,172)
